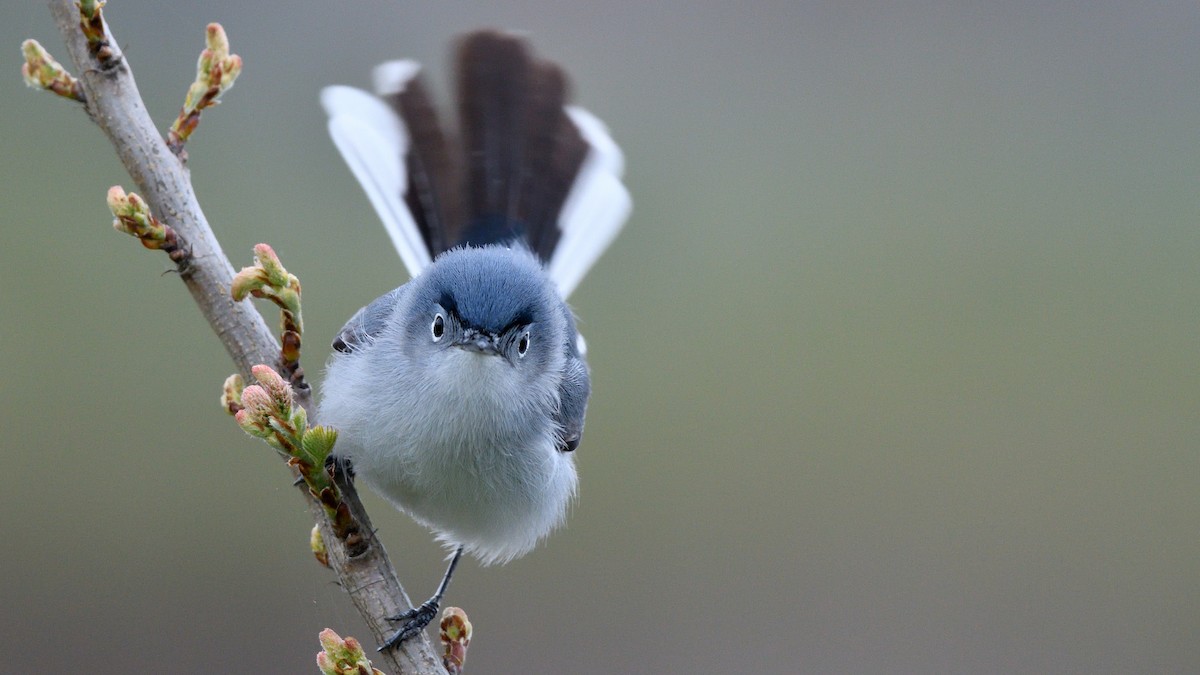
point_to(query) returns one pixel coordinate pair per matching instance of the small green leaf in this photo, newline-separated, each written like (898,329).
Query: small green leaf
(318,443)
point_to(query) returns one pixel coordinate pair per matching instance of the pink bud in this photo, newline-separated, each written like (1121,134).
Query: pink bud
(250,423)
(256,401)
(266,258)
(116,198)
(265,252)
(278,390)
(330,640)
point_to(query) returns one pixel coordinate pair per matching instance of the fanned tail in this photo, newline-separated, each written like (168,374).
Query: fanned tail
(526,166)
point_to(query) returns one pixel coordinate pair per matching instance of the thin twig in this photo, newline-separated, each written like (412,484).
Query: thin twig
(113,102)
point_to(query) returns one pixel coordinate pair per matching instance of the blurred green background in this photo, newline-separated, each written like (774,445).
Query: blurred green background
(895,364)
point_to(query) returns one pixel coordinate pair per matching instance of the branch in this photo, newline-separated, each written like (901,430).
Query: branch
(111,98)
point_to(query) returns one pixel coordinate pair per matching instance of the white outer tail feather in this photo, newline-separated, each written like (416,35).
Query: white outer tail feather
(372,140)
(595,209)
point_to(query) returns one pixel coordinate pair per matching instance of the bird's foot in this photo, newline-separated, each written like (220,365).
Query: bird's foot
(339,465)
(415,620)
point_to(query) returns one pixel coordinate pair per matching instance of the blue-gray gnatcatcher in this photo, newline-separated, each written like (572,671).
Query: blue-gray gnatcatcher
(460,395)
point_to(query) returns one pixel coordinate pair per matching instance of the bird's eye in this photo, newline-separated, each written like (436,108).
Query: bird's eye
(523,345)
(438,328)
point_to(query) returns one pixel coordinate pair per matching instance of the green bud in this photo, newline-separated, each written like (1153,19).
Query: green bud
(317,443)
(245,282)
(88,8)
(266,258)
(317,543)
(41,71)
(342,657)
(231,393)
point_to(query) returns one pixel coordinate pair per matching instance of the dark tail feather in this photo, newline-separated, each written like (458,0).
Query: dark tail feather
(555,151)
(493,78)
(433,194)
(521,150)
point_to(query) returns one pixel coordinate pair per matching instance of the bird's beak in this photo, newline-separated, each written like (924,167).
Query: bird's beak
(478,341)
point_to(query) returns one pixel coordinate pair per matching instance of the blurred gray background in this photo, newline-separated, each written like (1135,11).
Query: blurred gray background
(895,363)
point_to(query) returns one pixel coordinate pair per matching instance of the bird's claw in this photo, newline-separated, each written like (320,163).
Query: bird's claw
(415,620)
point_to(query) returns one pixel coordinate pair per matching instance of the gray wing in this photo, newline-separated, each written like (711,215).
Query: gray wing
(573,391)
(367,323)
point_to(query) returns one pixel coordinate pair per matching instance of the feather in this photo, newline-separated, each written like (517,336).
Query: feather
(596,208)
(493,85)
(372,141)
(555,154)
(432,192)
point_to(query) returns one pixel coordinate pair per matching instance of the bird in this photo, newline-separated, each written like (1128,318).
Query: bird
(460,396)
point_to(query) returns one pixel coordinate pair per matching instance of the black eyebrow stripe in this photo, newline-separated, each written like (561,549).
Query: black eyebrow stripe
(524,318)
(448,303)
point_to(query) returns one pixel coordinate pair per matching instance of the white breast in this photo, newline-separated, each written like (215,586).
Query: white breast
(467,455)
